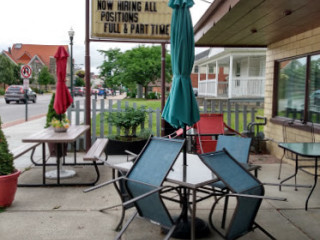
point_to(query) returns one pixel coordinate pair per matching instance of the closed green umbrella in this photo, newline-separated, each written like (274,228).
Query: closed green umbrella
(181,108)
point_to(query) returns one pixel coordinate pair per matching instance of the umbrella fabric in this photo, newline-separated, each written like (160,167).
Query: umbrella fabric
(63,97)
(181,108)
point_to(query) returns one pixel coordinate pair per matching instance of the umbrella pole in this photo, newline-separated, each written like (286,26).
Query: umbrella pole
(183,229)
(185,196)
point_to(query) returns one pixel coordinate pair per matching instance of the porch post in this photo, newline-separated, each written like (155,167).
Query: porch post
(217,78)
(230,80)
(207,70)
(199,86)
(87,75)
(163,85)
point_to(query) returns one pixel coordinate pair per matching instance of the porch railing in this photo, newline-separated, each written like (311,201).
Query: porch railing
(241,87)
(247,87)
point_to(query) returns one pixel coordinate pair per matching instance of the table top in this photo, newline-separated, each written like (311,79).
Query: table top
(49,135)
(197,174)
(305,149)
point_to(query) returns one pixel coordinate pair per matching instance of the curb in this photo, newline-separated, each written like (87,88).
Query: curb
(10,124)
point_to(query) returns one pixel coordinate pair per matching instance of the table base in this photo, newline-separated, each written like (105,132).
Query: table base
(183,229)
(63,174)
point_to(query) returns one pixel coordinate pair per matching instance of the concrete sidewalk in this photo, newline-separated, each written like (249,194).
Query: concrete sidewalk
(66,213)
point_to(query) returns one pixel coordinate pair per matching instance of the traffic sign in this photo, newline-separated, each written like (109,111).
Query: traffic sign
(26,71)
(25,84)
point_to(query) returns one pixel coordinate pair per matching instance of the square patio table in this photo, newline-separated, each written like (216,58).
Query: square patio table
(304,149)
(193,177)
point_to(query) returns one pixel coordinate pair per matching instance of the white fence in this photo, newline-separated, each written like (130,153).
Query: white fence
(236,113)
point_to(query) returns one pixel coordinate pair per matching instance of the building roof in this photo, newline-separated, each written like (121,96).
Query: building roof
(201,55)
(258,23)
(24,53)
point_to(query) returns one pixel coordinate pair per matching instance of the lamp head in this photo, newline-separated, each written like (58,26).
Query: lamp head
(71,33)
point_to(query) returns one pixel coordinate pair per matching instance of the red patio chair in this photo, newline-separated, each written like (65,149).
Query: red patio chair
(209,127)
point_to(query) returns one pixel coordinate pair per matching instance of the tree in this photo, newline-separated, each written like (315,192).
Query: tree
(7,72)
(141,65)
(45,77)
(80,73)
(110,68)
(79,82)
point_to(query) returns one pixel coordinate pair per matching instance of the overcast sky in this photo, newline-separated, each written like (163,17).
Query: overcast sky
(48,22)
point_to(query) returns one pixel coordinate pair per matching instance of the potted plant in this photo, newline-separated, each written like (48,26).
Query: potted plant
(127,120)
(51,117)
(60,126)
(51,114)
(8,174)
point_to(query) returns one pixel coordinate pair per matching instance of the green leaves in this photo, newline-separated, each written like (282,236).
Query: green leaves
(7,70)
(128,119)
(45,77)
(6,158)
(140,65)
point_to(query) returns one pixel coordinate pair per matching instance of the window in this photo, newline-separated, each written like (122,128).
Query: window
(297,88)
(238,69)
(211,69)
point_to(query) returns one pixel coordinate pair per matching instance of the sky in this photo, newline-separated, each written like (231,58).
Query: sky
(47,22)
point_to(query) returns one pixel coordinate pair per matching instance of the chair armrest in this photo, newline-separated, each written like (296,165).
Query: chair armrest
(103,184)
(256,196)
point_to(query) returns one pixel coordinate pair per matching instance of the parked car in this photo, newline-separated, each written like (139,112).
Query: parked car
(94,91)
(16,93)
(195,90)
(108,91)
(101,91)
(79,91)
(315,98)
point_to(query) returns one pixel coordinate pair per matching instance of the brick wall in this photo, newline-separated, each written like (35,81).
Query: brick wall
(303,43)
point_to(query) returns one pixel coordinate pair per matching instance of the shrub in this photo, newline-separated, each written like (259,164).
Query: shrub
(153,95)
(6,157)
(129,119)
(52,113)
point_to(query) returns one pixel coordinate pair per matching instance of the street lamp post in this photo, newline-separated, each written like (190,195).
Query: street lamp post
(71,34)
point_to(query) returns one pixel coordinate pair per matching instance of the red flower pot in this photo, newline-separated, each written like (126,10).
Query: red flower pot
(8,188)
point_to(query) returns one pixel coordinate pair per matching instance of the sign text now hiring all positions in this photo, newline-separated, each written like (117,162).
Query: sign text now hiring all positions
(131,19)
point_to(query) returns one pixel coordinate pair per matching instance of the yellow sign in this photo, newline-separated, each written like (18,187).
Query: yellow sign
(131,19)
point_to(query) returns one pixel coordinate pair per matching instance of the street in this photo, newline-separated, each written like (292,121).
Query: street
(17,111)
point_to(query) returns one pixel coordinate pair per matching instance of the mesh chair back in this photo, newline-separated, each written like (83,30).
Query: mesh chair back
(238,180)
(238,147)
(209,123)
(151,168)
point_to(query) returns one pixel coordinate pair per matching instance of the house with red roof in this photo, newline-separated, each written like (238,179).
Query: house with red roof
(35,55)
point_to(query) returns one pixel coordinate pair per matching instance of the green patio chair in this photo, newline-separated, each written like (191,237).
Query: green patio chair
(246,188)
(144,182)
(238,147)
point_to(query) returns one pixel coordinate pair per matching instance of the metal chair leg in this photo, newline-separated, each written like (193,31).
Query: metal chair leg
(225,209)
(256,225)
(280,167)
(126,226)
